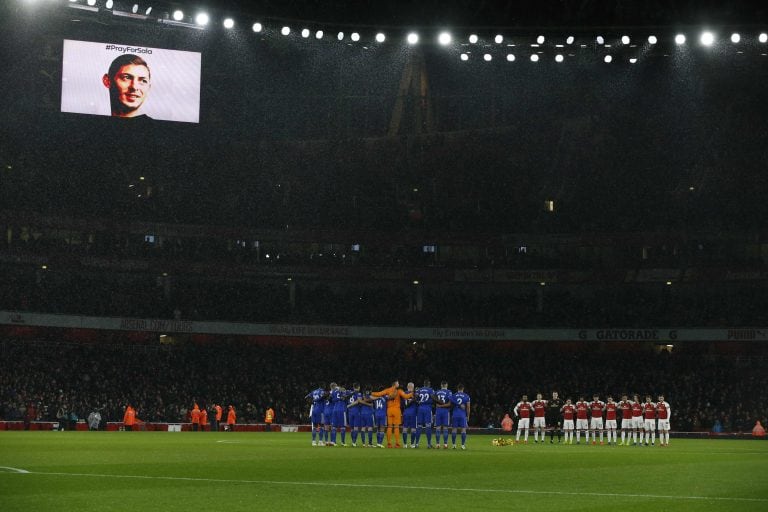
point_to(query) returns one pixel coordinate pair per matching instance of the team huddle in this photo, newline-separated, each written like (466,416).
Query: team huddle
(639,420)
(414,410)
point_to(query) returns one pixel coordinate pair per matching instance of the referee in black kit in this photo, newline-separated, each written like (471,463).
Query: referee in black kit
(554,418)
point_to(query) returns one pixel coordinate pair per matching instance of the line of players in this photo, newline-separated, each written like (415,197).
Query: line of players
(334,410)
(639,420)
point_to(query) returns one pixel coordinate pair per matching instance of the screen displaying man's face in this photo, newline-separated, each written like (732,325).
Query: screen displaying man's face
(128,89)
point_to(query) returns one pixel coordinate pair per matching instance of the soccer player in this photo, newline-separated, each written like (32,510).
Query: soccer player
(597,407)
(523,411)
(317,398)
(539,421)
(339,424)
(393,394)
(379,417)
(611,408)
(366,416)
(625,406)
(460,415)
(637,421)
(664,412)
(569,411)
(328,416)
(353,411)
(582,423)
(425,395)
(649,423)
(553,417)
(443,407)
(409,418)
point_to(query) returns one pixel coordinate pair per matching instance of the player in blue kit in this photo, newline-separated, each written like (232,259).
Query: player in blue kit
(443,407)
(339,401)
(328,416)
(409,418)
(366,416)
(353,411)
(379,418)
(460,401)
(317,397)
(424,396)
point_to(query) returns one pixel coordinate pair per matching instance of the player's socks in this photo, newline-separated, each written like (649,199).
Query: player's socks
(463,439)
(405,437)
(333,436)
(526,435)
(623,436)
(354,436)
(379,437)
(653,437)
(370,437)
(601,437)
(429,435)
(445,436)
(517,437)
(343,435)
(535,436)
(453,439)
(578,436)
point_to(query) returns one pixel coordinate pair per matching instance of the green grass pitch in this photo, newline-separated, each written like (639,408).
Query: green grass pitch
(281,471)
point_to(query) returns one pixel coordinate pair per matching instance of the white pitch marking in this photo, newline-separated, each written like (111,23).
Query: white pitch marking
(14,470)
(229,442)
(408,487)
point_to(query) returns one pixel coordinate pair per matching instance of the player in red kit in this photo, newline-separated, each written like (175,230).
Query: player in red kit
(582,422)
(568,411)
(625,406)
(649,421)
(611,408)
(539,420)
(637,421)
(596,407)
(663,412)
(523,410)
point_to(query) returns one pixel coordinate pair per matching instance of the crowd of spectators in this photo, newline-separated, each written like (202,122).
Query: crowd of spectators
(65,381)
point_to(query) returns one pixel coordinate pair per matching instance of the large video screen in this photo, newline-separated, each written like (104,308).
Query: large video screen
(119,80)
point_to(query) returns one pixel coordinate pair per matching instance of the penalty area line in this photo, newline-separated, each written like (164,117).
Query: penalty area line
(399,487)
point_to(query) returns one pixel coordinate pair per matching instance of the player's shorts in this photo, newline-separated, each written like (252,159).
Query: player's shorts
(366,419)
(354,419)
(339,419)
(539,422)
(637,422)
(664,424)
(409,418)
(523,423)
(316,413)
(627,423)
(567,424)
(610,424)
(595,423)
(649,425)
(424,416)
(582,424)
(459,421)
(327,417)
(380,420)
(442,417)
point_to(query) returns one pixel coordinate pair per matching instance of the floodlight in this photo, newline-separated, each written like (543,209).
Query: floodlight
(763,37)
(625,39)
(355,36)
(135,8)
(319,34)
(540,40)
(608,59)
(305,33)
(413,38)
(487,57)
(380,37)
(340,36)
(600,40)
(201,19)
(257,27)
(499,39)
(177,14)
(109,4)
(569,40)
(473,38)
(229,23)
(680,39)
(652,40)
(559,58)
(444,38)
(146,13)
(285,30)
(464,57)
(632,60)
(534,58)
(735,38)
(510,57)
(707,38)
(91,2)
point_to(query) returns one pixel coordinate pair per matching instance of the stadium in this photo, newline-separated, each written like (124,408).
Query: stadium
(235,232)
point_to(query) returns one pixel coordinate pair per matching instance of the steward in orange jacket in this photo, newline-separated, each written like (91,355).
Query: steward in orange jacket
(203,419)
(269,417)
(195,414)
(129,418)
(231,418)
